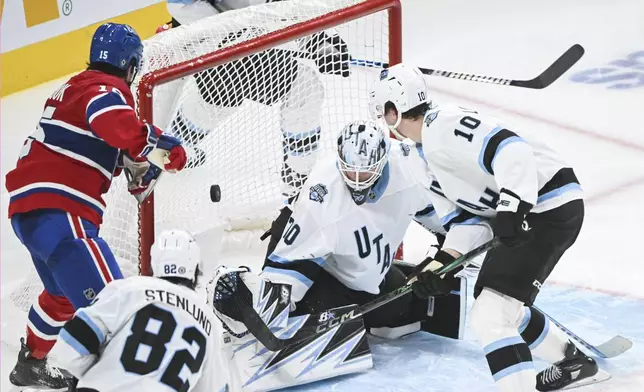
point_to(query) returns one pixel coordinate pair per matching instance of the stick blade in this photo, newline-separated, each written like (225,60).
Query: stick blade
(618,345)
(554,71)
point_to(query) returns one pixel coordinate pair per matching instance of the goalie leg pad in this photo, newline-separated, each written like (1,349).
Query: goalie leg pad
(494,320)
(235,290)
(333,349)
(395,332)
(443,316)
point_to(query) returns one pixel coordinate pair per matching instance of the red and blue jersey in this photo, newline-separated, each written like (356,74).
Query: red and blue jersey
(69,161)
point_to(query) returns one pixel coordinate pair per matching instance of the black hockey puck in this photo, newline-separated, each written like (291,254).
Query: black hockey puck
(215,193)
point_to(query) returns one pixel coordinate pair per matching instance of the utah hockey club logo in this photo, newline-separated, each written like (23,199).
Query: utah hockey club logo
(317,193)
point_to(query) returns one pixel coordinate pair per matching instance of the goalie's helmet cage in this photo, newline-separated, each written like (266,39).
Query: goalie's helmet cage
(363,149)
(196,82)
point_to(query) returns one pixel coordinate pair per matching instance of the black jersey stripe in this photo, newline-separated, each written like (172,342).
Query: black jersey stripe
(436,188)
(493,145)
(461,217)
(309,268)
(562,178)
(425,211)
(84,334)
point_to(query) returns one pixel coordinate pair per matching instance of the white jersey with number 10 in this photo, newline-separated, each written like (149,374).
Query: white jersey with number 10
(354,243)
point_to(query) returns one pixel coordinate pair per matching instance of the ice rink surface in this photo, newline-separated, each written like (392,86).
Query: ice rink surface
(592,115)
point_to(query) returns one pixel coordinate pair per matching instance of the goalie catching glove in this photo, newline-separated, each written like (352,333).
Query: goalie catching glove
(234,291)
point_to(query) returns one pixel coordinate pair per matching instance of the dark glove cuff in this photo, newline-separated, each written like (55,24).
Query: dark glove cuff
(524,208)
(444,257)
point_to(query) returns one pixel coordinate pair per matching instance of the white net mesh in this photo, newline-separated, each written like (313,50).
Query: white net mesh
(236,118)
(253,126)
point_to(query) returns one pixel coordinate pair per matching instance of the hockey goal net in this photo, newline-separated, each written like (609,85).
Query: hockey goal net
(244,90)
(247,91)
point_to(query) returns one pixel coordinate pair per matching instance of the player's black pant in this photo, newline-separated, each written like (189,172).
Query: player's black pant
(327,293)
(520,271)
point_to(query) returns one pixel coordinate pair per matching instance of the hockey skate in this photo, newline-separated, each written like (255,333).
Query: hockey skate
(575,367)
(37,373)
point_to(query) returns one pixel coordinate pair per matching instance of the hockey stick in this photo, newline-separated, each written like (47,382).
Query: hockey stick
(613,347)
(545,79)
(260,330)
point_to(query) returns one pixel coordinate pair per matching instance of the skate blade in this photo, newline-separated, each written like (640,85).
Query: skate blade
(599,377)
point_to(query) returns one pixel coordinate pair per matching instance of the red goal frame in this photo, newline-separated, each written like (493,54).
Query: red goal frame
(165,75)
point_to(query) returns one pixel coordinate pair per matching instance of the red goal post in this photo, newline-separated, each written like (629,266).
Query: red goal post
(156,78)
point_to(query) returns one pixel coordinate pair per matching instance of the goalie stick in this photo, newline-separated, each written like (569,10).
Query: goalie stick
(260,330)
(545,79)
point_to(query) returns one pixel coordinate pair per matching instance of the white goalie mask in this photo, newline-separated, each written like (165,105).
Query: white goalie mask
(175,254)
(402,86)
(363,149)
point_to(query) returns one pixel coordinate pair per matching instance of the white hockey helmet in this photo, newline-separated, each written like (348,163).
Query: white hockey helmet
(402,86)
(363,148)
(175,254)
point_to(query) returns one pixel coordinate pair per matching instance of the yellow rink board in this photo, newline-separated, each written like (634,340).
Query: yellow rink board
(64,54)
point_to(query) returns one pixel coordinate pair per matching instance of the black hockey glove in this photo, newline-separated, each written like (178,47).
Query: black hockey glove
(330,53)
(428,284)
(511,225)
(73,384)
(440,238)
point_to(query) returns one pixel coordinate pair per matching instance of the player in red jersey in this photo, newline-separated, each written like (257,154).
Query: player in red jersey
(87,127)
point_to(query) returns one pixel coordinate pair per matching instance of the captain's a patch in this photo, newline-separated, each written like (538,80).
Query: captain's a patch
(405,149)
(317,192)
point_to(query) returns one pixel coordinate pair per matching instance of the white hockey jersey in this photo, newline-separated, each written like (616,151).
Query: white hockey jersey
(144,334)
(354,243)
(473,156)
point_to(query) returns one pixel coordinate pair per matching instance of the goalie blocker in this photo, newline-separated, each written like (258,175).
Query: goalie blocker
(331,346)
